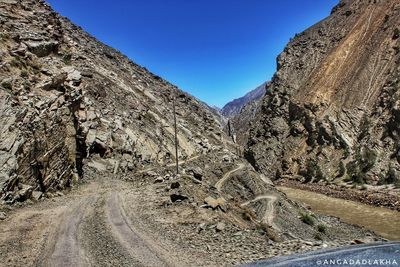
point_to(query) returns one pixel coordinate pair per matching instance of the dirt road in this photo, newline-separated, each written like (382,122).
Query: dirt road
(269,214)
(88,227)
(227,175)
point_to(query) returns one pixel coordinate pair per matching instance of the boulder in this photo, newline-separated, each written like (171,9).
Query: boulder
(178,198)
(36,195)
(159,180)
(98,166)
(202,227)
(3,216)
(215,203)
(24,193)
(175,185)
(73,76)
(8,141)
(42,48)
(131,166)
(54,83)
(13,2)
(20,51)
(196,172)
(220,227)
(226,158)
(151,173)
(91,115)
(58,81)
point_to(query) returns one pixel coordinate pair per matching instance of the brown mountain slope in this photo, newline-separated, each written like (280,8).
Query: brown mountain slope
(73,109)
(332,108)
(65,97)
(241,112)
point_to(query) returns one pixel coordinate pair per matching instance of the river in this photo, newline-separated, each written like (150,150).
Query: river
(383,221)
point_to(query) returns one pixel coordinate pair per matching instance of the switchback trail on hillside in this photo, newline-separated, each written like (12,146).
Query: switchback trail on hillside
(269,214)
(227,175)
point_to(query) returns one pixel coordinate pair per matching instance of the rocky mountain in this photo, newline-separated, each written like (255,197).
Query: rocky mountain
(332,109)
(67,97)
(233,108)
(239,124)
(75,113)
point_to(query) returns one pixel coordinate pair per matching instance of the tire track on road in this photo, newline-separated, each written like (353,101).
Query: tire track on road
(65,248)
(138,245)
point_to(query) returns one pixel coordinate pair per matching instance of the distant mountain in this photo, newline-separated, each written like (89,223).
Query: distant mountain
(233,108)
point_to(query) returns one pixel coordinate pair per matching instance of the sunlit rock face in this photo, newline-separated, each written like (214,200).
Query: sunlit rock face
(332,108)
(67,98)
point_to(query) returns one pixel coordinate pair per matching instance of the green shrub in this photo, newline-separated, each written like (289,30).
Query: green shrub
(382,179)
(364,162)
(311,171)
(365,125)
(307,218)
(346,152)
(15,63)
(67,58)
(396,33)
(318,236)
(359,178)
(4,36)
(321,228)
(341,169)
(391,177)
(24,74)
(368,159)
(7,84)
(27,84)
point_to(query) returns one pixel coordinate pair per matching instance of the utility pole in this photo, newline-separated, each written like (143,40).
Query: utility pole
(176,139)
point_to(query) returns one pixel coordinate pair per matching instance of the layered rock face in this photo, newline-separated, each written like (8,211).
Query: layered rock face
(66,97)
(332,108)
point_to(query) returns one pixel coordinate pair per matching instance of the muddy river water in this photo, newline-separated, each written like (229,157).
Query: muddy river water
(382,221)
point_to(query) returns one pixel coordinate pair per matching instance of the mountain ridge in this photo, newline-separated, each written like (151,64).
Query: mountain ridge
(233,107)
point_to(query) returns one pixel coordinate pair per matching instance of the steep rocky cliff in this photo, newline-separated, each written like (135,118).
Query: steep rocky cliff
(332,110)
(240,115)
(67,98)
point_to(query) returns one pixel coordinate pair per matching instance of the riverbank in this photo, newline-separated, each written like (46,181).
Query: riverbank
(383,221)
(369,197)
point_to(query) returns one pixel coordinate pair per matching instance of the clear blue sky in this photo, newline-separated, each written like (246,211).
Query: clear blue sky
(216,50)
